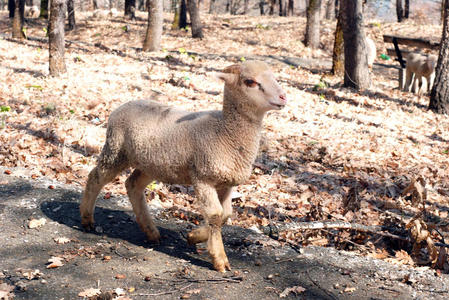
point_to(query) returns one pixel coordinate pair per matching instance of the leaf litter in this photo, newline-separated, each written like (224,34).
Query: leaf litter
(372,158)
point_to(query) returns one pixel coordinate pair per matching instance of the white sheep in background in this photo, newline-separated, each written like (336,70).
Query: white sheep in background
(32,11)
(370,51)
(212,150)
(419,66)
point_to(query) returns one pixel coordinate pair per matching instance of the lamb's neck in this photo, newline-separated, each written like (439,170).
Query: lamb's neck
(242,128)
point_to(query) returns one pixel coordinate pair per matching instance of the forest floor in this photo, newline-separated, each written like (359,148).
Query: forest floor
(378,157)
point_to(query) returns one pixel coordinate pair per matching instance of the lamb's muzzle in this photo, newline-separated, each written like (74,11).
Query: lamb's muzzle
(212,150)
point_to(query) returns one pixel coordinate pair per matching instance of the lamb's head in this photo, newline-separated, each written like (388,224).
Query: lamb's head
(431,63)
(252,84)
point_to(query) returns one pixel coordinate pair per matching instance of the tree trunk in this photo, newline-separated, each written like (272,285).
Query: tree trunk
(56,37)
(283,8)
(291,7)
(11,8)
(439,96)
(356,65)
(130,9)
(194,12)
(183,14)
(399,10)
(17,21)
(338,65)
(44,9)
(245,6)
(261,5)
(71,14)
(272,5)
(312,38)
(154,30)
(176,8)
(406,9)
(212,7)
(330,10)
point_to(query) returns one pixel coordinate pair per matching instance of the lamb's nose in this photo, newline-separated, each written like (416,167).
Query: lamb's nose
(283,98)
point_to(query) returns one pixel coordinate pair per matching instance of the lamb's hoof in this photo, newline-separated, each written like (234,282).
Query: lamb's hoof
(87,223)
(198,235)
(153,236)
(222,265)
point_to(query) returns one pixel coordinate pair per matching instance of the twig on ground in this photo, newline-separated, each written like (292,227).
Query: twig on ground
(168,292)
(317,225)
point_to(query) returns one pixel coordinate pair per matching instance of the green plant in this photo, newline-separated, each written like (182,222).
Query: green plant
(34,86)
(320,85)
(242,59)
(24,31)
(182,51)
(4,109)
(262,26)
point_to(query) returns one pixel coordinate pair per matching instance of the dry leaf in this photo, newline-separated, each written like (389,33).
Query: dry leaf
(119,292)
(6,291)
(36,223)
(62,240)
(30,274)
(417,189)
(89,292)
(55,262)
(349,289)
(294,289)
(120,276)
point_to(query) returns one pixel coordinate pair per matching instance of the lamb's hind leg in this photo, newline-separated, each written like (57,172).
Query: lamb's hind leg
(201,234)
(135,186)
(98,177)
(213,213)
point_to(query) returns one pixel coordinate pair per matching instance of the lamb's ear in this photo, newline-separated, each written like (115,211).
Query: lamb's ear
(229,75)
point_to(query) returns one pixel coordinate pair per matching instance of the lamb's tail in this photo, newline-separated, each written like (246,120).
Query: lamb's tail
(113,154)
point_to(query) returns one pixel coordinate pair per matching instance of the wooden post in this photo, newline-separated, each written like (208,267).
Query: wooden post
(401,78)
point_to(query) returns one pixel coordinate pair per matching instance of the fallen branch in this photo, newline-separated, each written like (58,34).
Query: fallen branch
(317,225)
(168,292)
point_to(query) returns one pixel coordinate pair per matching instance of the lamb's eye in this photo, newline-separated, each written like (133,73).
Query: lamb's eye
(250,83)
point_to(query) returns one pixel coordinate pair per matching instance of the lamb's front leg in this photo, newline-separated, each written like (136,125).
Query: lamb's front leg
(213,214)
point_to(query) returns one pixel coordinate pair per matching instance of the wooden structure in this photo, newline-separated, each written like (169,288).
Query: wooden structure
(411,42)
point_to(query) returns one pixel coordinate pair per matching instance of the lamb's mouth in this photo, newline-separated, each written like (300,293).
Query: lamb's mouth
(277,105)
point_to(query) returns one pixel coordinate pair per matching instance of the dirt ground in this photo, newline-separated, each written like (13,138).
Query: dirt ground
(117,258)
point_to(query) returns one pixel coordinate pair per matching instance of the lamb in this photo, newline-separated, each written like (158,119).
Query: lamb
(32,11)
(370,51)
(102,14)
(419,66)
(211,150)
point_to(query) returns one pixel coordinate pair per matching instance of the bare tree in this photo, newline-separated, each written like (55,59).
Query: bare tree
(291,7)
(282,8)
(130,9)
(154,30)
(194,12)
(18,18)
(406,9)
(312,38)
(56,38)
(356,65)
(439,96)
(71,14)
(338,66)
(212,6)
(330,9)
(402,11)
(44,9)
